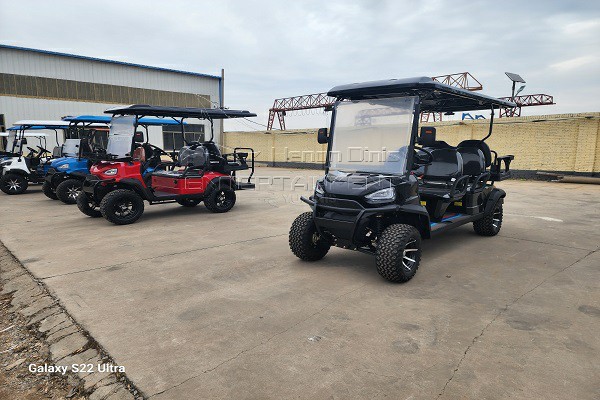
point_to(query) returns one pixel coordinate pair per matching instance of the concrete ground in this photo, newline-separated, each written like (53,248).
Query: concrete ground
(200,305)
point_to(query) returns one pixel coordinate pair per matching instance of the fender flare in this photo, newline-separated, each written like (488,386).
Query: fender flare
(132,184)
(495,195)
(421,218)
(228,180)
(17,171)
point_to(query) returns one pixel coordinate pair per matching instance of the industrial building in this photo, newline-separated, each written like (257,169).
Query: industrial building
(46,85)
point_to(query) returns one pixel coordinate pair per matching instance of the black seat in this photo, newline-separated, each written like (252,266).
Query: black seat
(485,149)
(193,160)
(475,163)
(443,181)
(427,139)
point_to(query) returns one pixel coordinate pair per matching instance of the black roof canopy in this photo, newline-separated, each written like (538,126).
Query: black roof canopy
(435,96)
(179,112)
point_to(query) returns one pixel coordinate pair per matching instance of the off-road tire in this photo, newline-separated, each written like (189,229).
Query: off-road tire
(87,206)
(491,222)
(214,200)
(111,204)
(189,202)
(48,191)
(65,191)
(397,242)
(13,183)
(305,241)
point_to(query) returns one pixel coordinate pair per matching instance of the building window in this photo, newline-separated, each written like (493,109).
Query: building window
(173,139)
(64,89)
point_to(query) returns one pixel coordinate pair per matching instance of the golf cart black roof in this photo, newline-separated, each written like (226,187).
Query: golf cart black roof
(180,112)
(105,120)
(435,96)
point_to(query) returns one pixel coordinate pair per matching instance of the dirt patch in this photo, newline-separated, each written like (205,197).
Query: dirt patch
(18,349)
(43,350)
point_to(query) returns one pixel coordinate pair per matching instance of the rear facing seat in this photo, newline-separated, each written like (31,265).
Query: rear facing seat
(192,160)
(475,163)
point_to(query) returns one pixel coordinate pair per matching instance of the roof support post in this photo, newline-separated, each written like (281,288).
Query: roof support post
(221,105)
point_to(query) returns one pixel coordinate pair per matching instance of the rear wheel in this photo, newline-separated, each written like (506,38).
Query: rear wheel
(87,206)
(220,198)
(398,253)
(189,202)
(305,241)
(491,222)
(48,191)
(68,190)
(122,206)
(13,183)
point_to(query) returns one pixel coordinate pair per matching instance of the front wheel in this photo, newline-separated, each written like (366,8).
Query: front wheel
(48,191)
(68,190)
(13,183)
(122,207)
(491,222)
(398,252)
(220,199)
(305,241)
(87,206)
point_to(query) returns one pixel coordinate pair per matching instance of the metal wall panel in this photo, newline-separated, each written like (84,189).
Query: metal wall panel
(53,66)
(22,62)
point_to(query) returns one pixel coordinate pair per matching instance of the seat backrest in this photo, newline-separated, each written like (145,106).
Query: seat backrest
(473,160)
(213,150)
(427,136)
(85,148)
(485,149)
(447,164)
(193,156)
(57,152)
(139,154)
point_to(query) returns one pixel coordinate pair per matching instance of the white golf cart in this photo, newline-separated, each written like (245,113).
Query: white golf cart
(22,164)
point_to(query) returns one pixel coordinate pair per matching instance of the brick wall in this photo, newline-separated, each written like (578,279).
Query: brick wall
(559,142)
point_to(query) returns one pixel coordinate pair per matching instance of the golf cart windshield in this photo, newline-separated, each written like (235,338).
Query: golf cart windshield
(11,140)
(71,148)
(120,139)
(372,135)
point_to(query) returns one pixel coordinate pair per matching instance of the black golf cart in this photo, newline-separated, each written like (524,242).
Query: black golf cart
(390,183)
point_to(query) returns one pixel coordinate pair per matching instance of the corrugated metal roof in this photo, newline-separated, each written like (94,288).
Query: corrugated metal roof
(54,53)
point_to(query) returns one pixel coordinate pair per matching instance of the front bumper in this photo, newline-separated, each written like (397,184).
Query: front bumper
(96,188)
(54,177)
(343,218)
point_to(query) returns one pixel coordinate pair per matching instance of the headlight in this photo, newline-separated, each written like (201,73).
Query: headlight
(319,188)
(63,167)
(110,172)
(5,163)
(382,196)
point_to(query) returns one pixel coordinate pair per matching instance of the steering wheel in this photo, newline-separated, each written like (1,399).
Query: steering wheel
(419,159)
(31,149)
(160,152)
(43,149)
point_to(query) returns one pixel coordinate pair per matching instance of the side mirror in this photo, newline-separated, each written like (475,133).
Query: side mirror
(322,136)
(24,141)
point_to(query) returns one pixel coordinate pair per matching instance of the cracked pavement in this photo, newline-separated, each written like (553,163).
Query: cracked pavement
(201,305)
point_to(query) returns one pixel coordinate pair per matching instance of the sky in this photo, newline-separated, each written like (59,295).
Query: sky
(273,49)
